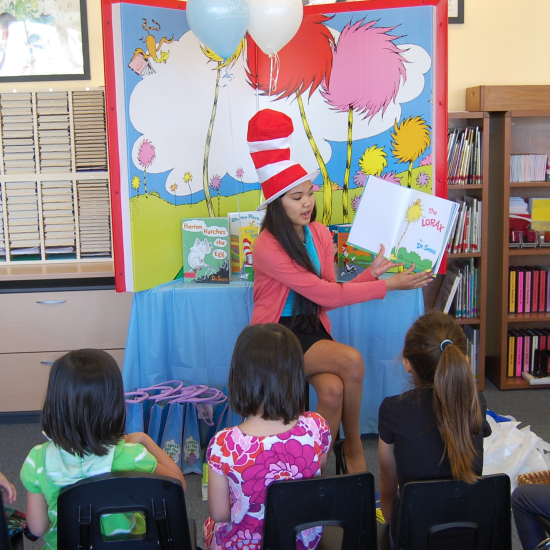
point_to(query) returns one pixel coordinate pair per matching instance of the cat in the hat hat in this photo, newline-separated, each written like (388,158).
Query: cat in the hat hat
(295,282)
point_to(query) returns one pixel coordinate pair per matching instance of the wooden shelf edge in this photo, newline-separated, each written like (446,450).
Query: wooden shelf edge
(528,317)
(457,186)
(457,115)
(56,270)
(467,321)
(521,384)
(462,255)
(521,184)
(535,251)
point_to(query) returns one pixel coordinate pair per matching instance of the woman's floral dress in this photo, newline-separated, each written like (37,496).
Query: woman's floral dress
(250,464)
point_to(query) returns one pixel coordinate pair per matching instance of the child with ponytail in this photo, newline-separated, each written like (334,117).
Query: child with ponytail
(435,430)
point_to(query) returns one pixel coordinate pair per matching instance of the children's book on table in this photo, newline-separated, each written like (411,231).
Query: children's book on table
(205,243)
(413,226)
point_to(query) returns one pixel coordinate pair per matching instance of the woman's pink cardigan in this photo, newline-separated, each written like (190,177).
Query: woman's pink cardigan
(275,274)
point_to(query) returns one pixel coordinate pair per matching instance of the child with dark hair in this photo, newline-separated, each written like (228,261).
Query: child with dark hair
(84,416)
(277,440)
(435,430)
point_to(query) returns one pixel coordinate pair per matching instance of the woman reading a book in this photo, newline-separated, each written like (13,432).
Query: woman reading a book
(294,282)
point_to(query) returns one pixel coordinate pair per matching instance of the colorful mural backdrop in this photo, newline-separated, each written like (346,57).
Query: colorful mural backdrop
(359,84)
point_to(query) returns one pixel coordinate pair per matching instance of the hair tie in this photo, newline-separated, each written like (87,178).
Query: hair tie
(444,344)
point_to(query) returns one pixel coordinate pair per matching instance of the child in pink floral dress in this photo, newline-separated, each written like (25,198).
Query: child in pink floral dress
(277,441)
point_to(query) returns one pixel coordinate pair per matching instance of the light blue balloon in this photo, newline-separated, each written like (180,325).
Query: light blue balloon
(219,24)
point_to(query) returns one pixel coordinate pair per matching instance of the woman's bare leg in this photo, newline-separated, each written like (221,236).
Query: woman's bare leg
(330,398)
(329,357)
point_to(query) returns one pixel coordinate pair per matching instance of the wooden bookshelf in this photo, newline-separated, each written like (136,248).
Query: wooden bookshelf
(519,131)
(457,192)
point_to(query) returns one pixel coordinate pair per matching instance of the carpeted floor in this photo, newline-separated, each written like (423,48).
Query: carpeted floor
(19,434)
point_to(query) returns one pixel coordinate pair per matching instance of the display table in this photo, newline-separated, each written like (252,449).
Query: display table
(187,332)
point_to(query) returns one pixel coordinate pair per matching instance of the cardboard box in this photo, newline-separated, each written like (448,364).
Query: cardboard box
(508,98)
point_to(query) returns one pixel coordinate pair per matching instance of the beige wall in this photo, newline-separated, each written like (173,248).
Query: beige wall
(501,42)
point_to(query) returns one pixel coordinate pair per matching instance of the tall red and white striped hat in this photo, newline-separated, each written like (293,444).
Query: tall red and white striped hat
(268,137)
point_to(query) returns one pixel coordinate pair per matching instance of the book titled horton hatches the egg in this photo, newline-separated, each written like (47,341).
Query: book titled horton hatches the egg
(205,250)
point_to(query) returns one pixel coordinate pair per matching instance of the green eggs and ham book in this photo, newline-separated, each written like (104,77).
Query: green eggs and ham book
(413,226)
(205,244)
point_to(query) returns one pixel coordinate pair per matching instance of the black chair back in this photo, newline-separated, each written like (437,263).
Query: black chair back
(5,543)
(159,498)
(342,501)
(444,514)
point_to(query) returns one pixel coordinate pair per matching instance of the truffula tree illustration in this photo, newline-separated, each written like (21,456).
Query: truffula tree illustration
(413,214)
(146,156)
(305,62)
(366,74)
(136,182)
(409,141)
(173,188)
(222,65)
(188,178)
(215,183)
(373,161)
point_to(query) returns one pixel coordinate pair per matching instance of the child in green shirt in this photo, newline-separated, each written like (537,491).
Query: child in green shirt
(84,416)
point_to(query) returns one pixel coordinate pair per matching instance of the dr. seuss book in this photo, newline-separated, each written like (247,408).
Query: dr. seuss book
(413,226)
(351,260)
(205,250)
(237,221)
(247,238)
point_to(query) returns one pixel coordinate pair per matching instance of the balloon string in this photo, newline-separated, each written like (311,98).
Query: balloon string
(226,77)
(274,72)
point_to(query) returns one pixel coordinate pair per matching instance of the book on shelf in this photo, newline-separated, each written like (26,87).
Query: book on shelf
(527,352)
(466,233)
(530,167)
(447,291)
(413,226)
(472,346)
(539,209)
(466,304)
(206,256)
(464,156)
(534,381)
(528,289)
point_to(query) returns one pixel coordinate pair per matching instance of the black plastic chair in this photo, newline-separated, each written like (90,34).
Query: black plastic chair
(544,522)
(7,543)
(337,501)
(444,514)
(159,498)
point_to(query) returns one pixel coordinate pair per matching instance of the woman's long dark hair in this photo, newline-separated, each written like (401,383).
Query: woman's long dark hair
(277,223)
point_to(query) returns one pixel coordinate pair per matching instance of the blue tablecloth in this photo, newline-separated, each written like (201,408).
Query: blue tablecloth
(187,332)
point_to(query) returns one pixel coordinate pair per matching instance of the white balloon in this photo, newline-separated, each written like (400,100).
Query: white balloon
(273,23)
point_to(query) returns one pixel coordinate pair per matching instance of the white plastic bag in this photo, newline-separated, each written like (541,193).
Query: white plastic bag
(513,451)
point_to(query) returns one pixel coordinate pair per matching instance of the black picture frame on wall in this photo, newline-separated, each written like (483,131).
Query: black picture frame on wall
(47,43)
(456,11)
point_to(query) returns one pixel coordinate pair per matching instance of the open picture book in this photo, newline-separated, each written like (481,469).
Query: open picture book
(413,226)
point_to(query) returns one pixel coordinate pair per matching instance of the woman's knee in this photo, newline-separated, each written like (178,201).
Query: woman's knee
(331,393)
(352,363)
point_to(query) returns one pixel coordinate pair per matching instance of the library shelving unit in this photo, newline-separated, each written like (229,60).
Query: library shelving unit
(56,268)
(462,120)
(524,129)
(54,180)
(480,192)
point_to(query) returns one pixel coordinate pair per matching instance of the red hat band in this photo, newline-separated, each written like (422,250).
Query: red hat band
(268,137)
